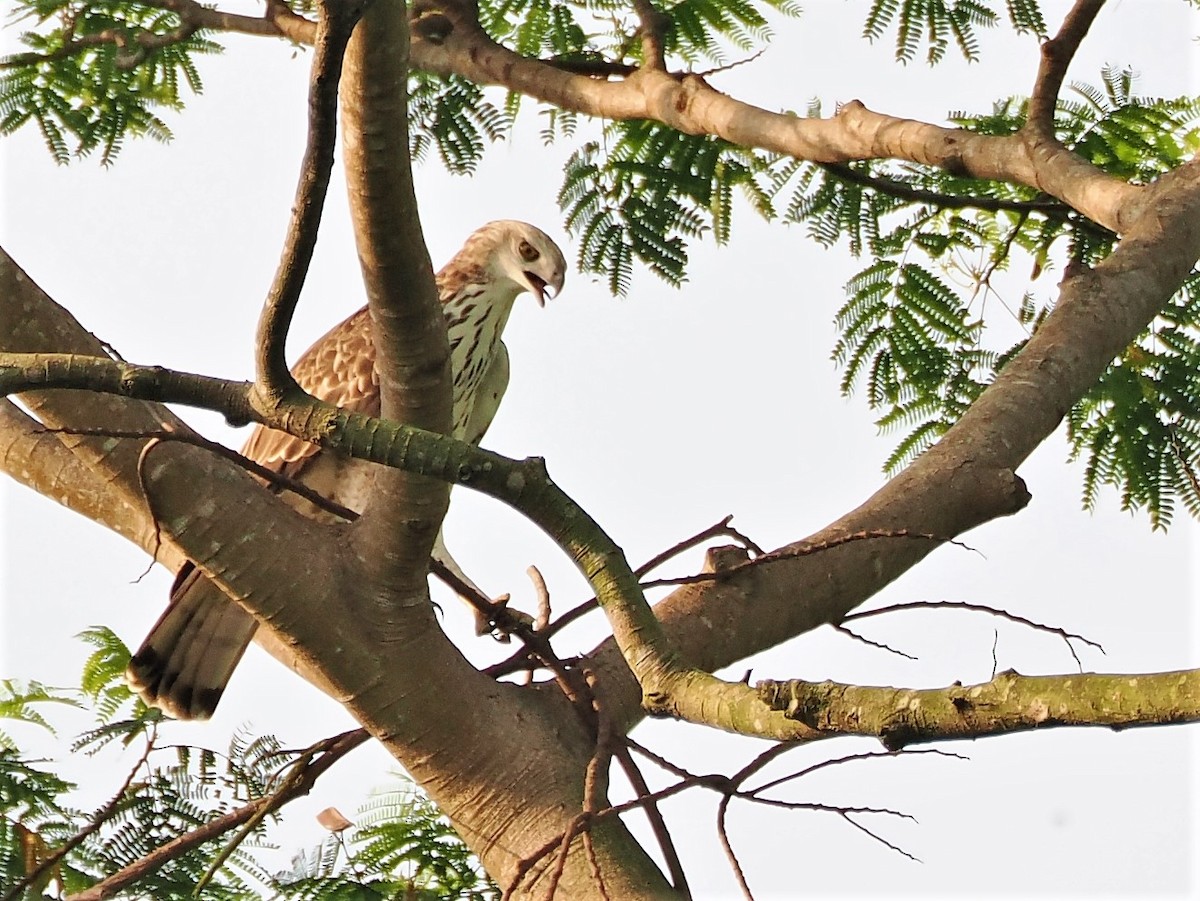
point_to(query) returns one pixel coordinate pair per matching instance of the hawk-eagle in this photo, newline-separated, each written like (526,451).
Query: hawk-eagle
(189,655)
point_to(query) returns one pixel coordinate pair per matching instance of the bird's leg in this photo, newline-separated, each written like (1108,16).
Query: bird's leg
(483,620)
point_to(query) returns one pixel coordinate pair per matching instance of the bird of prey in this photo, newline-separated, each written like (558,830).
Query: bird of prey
(189,655)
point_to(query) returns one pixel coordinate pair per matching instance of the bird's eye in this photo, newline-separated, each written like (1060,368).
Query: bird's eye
(529,253)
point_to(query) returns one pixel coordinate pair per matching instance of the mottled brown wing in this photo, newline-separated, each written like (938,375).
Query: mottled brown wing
(338,368)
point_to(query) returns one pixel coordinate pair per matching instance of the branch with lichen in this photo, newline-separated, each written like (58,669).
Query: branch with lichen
(1009,703)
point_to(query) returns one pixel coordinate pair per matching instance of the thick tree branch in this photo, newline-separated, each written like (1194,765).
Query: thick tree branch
(274,381)
(412,352)
(1008,703)
(688,103)
(458,45)
(31,322)
(1057,54)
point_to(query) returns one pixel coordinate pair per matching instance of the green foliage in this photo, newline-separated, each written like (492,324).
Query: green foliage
(701,30)
(453,115)
(646,188)
(939,22)
(921,347)
(593,30)
(97,72)
(1139,427)
(19,702)
(403,848)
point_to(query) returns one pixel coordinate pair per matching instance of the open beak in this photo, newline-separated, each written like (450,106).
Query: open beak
(540,286)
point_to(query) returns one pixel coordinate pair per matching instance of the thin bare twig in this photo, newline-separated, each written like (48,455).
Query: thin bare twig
(522,658)
(275,480)
(657,824)
(896,188)
(804,551)
(846,815)
(1066,636)
(848,758)
(723,835)
(850,633)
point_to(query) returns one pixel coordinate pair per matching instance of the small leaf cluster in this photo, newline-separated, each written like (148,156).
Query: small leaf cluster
(402,846)
(644,190)
(938,23)
(96,72)
(453,115)
(1139,427)
(691,31)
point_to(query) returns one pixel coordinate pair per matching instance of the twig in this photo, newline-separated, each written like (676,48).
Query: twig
(848,758)
(846,815)
(896,188)
(850,633)
(1181,458)
(745,61)
(657,824)
(521,658)
(803,551)
(276,480)
(723,835)
(331,750)
(543,598)
(543,604)
(1066,636)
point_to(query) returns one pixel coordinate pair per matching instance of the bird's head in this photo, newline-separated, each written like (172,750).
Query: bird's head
(526,257)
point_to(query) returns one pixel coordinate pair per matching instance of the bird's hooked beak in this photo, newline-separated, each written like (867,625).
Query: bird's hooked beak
(539,286)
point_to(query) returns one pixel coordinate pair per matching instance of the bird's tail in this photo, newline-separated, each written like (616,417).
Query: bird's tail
(185,662)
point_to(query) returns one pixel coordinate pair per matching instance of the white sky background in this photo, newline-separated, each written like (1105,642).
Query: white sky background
(660,413)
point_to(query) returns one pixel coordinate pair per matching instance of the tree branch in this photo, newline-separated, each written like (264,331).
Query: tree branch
(1057,54)
(1009,703)
(458,45)
(895,188)
(412,355)
(687,103)
(33,322)
(274,381)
